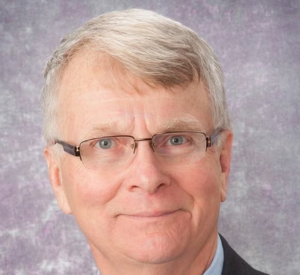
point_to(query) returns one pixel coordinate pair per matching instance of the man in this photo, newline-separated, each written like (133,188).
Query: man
(139,145)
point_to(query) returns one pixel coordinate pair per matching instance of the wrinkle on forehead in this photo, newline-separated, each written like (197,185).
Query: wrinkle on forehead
(127,124)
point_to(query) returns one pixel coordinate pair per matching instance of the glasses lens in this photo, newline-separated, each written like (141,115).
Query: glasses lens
(114,151)
(106,152)
(180,145)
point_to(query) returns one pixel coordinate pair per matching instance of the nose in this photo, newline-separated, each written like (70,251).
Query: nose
(146,173)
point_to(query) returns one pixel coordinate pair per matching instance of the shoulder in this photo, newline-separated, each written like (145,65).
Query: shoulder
(234,264)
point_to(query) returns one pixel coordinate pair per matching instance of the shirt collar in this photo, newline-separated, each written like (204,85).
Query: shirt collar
(216,265)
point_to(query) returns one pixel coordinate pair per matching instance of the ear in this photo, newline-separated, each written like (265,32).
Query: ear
(56,179)
(225,161)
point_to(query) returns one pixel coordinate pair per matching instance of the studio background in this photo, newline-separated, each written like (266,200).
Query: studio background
(257,43)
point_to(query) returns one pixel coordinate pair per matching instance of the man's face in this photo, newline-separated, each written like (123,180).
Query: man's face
(148,210)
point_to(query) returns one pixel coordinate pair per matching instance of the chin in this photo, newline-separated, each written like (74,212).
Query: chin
(156,249)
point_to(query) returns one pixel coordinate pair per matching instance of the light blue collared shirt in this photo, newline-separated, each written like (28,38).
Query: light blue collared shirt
(216,265)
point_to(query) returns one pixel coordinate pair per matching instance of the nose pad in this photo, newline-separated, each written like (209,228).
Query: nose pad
(134,146)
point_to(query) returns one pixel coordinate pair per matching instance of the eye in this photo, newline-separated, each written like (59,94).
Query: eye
(105,143)
(177,140)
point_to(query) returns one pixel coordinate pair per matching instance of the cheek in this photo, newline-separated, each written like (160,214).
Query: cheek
(202,183)
(201,178)
(87,190)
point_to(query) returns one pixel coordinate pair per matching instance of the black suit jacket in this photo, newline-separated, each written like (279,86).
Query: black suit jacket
(234,264)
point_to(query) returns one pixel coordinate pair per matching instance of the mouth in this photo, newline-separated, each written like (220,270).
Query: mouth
(150,214)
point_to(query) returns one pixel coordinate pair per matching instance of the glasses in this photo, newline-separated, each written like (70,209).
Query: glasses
(113,151)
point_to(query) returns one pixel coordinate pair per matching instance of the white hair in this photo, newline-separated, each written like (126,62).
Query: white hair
(156,49)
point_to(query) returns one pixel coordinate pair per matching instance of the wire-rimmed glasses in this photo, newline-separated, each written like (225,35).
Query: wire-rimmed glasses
(111,151)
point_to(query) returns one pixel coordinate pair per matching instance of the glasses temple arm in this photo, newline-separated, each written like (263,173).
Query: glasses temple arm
(213,138)
(70,149)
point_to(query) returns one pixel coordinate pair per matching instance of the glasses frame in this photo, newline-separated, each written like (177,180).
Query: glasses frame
(75,150)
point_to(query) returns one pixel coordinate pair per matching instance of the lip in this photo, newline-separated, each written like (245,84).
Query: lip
(150,214)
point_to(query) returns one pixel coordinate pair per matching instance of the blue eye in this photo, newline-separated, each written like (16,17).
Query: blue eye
(177,140)
(105,143)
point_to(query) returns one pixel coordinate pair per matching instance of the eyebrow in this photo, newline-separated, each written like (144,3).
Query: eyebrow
(106,127)
(113,128)
(182,125)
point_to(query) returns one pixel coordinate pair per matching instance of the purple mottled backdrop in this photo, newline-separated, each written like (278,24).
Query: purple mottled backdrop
(258,43)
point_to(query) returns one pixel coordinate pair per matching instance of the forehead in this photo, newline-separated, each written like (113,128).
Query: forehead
(97,93)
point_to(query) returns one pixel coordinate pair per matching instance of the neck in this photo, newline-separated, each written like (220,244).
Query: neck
(189,263)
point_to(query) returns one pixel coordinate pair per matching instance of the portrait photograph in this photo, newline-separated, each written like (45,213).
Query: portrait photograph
(151,137)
